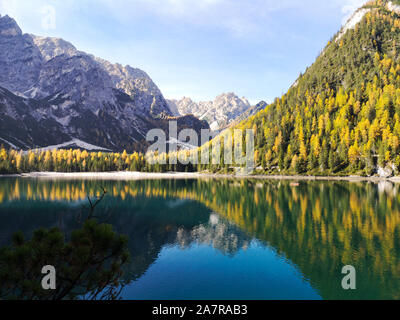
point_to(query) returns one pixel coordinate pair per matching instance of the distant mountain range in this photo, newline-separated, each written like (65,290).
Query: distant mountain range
(251,112)
(52,94)
(220,113)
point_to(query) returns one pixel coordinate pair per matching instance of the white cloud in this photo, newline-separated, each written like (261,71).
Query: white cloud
(241,18)
(249,18)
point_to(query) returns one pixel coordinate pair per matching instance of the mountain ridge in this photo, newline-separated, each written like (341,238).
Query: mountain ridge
(219,113)
(84,97)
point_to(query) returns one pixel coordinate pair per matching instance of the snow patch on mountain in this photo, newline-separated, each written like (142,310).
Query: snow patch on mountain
(74,143)
(10,144)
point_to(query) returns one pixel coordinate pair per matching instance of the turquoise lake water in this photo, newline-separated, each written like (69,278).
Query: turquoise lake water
(227,238)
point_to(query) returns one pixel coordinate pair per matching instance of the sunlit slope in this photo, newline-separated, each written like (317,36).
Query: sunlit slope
(343,114)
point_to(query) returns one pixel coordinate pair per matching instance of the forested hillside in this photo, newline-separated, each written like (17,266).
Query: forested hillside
(343,114)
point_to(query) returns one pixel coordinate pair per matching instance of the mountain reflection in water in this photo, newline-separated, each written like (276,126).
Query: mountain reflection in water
(300,237)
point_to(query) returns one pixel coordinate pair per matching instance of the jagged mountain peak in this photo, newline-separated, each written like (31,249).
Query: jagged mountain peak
(9,27)
(53,47)
(20,59)
(219,113)
(231,97)
(54,66)
(79,95)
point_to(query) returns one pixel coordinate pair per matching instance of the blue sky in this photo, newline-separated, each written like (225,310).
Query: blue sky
(195,48)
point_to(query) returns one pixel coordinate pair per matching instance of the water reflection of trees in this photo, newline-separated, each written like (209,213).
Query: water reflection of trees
(150,223)
(318,226)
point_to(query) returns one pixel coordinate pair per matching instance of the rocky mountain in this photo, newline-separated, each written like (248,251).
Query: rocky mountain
(55,94)
(218,113)
(342,116)
(251,112)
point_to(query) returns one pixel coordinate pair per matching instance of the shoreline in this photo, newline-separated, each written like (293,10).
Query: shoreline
(129,175)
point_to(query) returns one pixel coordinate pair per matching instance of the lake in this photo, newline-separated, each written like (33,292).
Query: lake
(230,238)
